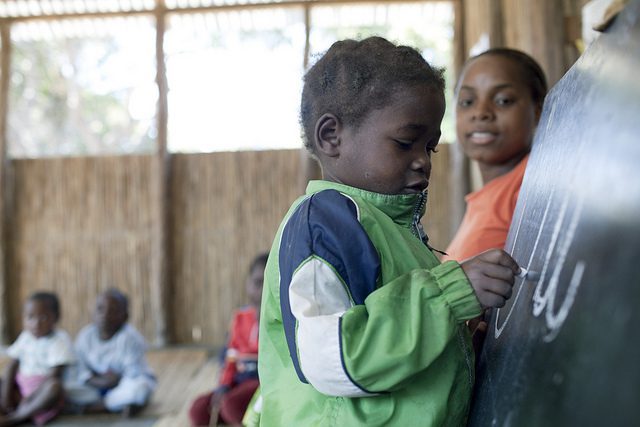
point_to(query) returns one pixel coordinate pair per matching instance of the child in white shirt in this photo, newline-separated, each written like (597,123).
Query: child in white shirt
(31,387)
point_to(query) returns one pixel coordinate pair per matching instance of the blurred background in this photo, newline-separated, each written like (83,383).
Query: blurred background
(154,145)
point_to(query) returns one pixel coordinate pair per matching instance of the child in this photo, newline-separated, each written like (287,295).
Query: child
(239,377)
(39,357)
(499,101)
(361,325)
(113,374)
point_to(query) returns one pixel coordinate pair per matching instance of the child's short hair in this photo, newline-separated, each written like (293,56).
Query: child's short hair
(50,299)
(119,296)
(354,78)
(260,259)
(533,75)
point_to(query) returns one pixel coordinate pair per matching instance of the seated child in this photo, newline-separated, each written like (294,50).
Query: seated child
(239,377)
(39,357)
(112,374)
(361,324)
(499,100)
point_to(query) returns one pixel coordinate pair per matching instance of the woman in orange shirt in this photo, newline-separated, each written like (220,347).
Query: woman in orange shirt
(499,100)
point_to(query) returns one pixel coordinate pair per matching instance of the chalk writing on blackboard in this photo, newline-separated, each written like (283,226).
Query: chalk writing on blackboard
(544,297)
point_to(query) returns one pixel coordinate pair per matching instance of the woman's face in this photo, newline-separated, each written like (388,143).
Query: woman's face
(495,114)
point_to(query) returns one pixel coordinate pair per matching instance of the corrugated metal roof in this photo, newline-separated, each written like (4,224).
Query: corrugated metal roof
(23,8)
(181,4)
(31,8)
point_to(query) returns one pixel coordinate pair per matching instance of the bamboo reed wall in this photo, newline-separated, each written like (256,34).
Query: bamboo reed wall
(81,225)
(226,207)
(440,221)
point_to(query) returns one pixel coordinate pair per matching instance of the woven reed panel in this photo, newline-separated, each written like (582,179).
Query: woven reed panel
(226,207)
(79,226)
(438,221)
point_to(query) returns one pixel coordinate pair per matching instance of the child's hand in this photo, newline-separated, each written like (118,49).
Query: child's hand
(105,381)
(491,275)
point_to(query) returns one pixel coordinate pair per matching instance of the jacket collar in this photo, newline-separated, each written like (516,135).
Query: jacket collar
(400,207)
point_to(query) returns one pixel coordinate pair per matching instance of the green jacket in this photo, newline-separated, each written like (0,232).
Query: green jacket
(361,325)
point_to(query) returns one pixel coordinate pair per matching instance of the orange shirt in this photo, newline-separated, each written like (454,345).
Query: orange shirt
(489,212)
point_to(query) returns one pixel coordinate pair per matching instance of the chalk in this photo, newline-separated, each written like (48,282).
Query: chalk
(528,275)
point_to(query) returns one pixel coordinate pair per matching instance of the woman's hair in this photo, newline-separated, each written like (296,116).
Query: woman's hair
(532,73)
(49,299)
(354,78)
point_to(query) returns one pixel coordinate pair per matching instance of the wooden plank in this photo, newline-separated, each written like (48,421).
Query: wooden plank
(184,377)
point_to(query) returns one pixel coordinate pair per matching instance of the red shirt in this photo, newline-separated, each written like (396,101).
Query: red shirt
(242,348)
(489,212)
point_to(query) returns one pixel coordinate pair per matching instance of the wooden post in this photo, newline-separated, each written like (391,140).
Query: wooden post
(459,180)
(538,28)
(5,72)
(159,262)
(310,167)
(483,19)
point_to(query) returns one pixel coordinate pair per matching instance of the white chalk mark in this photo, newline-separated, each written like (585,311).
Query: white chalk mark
(544,297)
(547,299)
(515,237)
(498,330)
(555,321)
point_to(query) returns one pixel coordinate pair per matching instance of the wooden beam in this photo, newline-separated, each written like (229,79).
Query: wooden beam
(459,179)
(159,264)
(5,74)
(202,9)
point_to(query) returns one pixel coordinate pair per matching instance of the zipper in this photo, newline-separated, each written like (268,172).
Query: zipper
(416,226)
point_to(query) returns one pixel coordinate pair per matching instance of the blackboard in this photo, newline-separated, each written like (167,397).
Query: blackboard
(565,350)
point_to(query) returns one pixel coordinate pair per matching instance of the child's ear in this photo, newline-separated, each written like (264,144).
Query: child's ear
(327,135)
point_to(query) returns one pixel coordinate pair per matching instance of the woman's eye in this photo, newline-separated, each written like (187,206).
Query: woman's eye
(464,102)
(504,101)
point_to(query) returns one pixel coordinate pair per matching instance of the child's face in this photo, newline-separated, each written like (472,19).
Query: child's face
(254,285)
(390,151)
(109,316)
(495,114)
(38,318)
